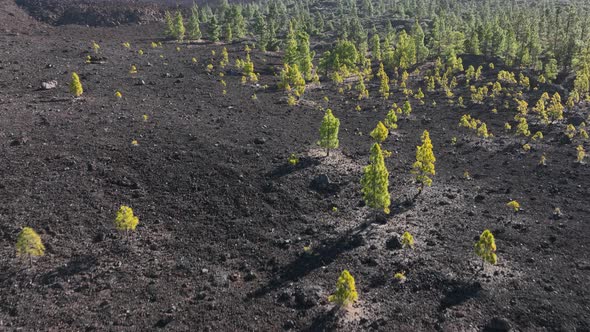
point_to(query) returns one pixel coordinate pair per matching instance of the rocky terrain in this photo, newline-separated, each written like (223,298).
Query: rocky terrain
(224,218)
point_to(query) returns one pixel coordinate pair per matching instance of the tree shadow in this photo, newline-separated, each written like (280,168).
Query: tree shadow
(286,169)
(324,255)
(74,266)
(458,292)
(400,207)
(325,321)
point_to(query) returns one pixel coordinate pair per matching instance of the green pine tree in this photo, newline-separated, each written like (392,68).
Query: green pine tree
(214,29)
(193,26)
(179,29)
(375,181)
(76,86)
(423,168)
(329,132)
(380,132)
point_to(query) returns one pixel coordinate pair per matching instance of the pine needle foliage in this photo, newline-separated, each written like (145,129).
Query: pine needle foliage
(423,168)
(29,244)
(346,293)
(380,132)
(329,132)
(76,86)
(485,248)
(125,220)
(375,181)
(407,240)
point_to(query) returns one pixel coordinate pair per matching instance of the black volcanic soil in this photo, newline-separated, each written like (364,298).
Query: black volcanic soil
(223,219)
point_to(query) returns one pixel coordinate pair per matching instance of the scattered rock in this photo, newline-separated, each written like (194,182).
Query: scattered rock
(250,276)
(479,198)
(163,322)
(498,324)
(322,183)
(49,85)
(583,266)
(393,243)
(308,296)
(259,140)
(289,325)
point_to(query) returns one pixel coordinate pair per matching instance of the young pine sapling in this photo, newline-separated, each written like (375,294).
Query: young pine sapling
(345,290)
(329,132)
(485,248)
(29,244)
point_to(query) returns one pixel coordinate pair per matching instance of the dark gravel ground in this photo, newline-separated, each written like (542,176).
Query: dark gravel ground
(224,219)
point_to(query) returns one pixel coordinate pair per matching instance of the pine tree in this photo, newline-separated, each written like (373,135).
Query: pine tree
(407,108)
(125,220)
(485,248)
(291,57)
(304,54)
(551,69)
(214,29)
(384,87)
(329,132)
(405,53)
(555,108)
(224,58)
(193,26)
(29,244)
(261,31)
(375,181)
(362,88)
(227,33)
(380,132)
(423,168)
(179,29)
(346,293)
(169,29)
(376,46)
(418,36)
(76,86)
(391,119)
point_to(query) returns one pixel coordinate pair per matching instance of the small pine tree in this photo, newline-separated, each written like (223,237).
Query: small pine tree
(345,290)
(391,119)
(407,240)
(420,96)
(384,87)
(380,132)
(169,29)
(523,127)
(329,132)
(482,131)
(362,89)
(423,168)
(485,248)
(407,108)
(581,154)
(29,244)
(228,33)
(95,47)
(224,58)
(194,24)
(555,108)
(375,181)
(125,220)
(214,29)
(76,86)
(179,29)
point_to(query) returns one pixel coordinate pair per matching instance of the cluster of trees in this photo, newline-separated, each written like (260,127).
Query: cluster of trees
(227,23)
(546,37)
